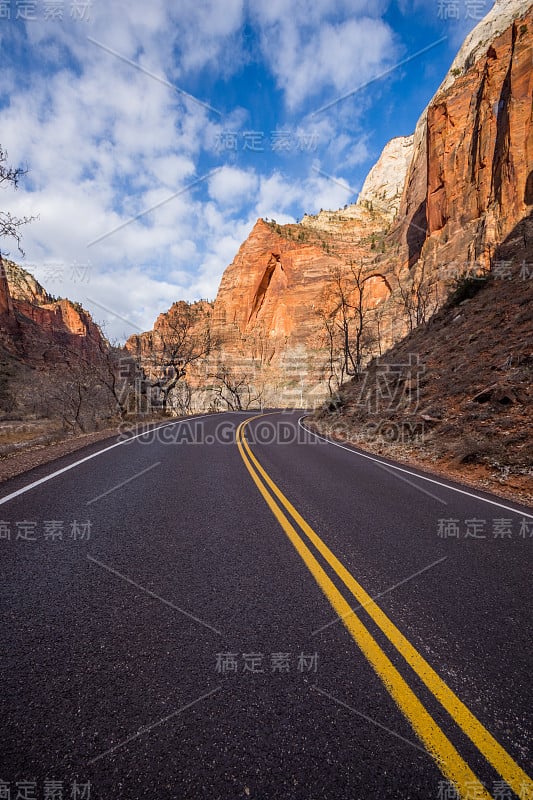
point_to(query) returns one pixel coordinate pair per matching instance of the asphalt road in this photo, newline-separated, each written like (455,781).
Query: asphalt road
(170,624)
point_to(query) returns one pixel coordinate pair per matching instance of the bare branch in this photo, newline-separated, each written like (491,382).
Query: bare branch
(183,338)
(236,390)
(9,224)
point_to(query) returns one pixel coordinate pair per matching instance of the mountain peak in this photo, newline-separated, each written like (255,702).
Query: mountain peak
(384,184)
(499,18)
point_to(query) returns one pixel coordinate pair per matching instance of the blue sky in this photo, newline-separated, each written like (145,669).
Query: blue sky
(209,113)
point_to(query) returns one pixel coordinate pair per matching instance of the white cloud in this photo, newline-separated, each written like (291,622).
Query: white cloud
(105,142)
(204,25)
(233,187)
(323,45)
(171,169)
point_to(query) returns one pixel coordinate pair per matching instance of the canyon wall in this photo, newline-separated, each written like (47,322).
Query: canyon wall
(470,180)
(40,328)
(55,364)
(436,205)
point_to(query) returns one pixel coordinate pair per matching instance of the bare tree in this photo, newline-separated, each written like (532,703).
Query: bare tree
(418,294)
(123,378)
(89,387)
(183,398)
(236,390)
(335,364)
(9,224)
(184,339)
(363,338)
(346,317)
(379,319)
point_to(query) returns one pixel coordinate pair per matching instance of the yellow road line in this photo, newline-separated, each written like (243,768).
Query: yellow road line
(495,754)
(438,745)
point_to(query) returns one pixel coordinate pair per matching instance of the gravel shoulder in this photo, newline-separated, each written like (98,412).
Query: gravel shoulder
(35,455)
(518,488)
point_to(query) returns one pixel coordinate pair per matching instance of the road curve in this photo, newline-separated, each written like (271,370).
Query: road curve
(230,606)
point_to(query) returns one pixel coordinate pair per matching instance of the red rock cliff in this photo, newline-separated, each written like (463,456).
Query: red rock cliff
(36,326)
(470,181)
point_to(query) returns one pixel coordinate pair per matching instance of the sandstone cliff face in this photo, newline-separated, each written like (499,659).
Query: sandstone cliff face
(500,17)
(39,329)
(269,288)
(265,317)
(148,347)
(266,324)
(6,302)
(23,286)
(55,365)
(63,317)
(469,182)
(269,311)
(435,205)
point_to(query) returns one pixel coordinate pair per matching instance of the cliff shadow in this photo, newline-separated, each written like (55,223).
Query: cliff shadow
(517,247)
(417,233)
(528,191)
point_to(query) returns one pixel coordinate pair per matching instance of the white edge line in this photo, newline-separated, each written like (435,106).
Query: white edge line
(418,488)
(414,474)
(124,483)
(46,478)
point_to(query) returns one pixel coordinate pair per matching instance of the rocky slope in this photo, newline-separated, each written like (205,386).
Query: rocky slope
(456,394)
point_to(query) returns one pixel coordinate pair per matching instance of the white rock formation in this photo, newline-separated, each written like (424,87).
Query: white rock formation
(329,220)
(384,184)
(23,286)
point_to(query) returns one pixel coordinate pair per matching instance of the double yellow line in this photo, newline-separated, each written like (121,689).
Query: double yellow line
(450,762)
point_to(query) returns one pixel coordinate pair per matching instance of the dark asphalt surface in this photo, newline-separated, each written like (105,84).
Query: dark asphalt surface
(109,646)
